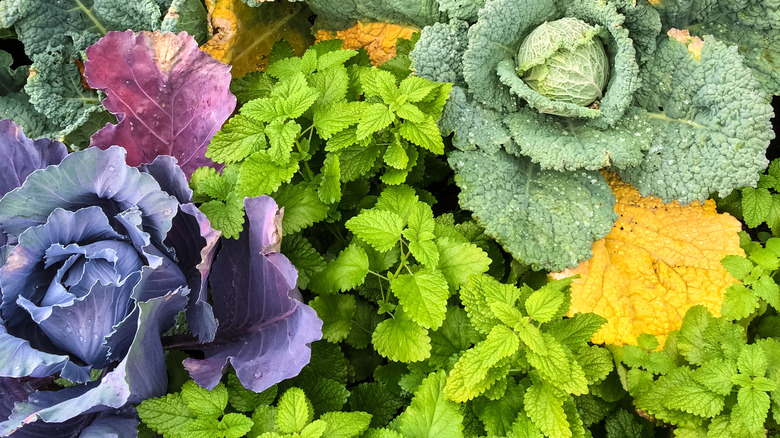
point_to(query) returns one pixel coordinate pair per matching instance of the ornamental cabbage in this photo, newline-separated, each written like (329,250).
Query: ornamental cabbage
(676,116)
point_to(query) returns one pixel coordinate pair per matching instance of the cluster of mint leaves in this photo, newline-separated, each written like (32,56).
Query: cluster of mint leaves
(757,205)
(312,124)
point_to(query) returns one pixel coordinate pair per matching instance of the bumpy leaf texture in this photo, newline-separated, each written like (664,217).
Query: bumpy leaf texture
(169,97)
(245,35)
(377,38)
(658,260)
(265,329)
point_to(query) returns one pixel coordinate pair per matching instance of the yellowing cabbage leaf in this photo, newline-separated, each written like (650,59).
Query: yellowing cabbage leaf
(243,35)
(377,38)
(658,260)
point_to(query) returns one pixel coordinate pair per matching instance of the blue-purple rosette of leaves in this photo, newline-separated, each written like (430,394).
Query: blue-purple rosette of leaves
(99,259)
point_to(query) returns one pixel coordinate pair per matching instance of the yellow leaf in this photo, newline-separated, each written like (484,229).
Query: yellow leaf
(377,38)
(243,36)
(658,260)
(694,44)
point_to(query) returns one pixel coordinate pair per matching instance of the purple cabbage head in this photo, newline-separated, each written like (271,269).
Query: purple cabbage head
(100,259)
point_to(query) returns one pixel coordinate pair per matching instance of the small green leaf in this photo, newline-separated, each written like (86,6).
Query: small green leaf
(395,154)
(235,425)
(245,400)
(380,229)
(375,118)
(335,118)
(335,58)
(430,414)
(240,137)
(380,83)
(329,189)
(282,138)
(261,175)
(543,304)
(294,411)
(756,205)
(304,257)
(753,409)
(424,134)
(416,88)
(344,273)
(738,302)
(424,296)
(332,85)
(357,161)
(401,339)
(399,200)
(205,403)
(425,252)
(458,261)
(345,424)
(739,267)
(227,216)
(202,428)
(302,207)
(336,312)
(167,415)
(546,410)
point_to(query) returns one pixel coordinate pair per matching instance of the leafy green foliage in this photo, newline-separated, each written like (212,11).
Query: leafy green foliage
(300,133)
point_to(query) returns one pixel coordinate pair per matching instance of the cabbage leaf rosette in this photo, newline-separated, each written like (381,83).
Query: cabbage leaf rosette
(99,259)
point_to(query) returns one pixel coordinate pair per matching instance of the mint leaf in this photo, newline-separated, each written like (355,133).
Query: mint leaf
(260,174)
(336,312)
(357,161)
(302,207)
(332,85)
(240,137)
(416,88)
(202,428)
(458,261)
(546,410)
(375,118)
(424,296)
(738,267)
(336,117)
(334,58)
(543,304)
(756,206)
(380,83)
(344,273)
(282,138)
(166,415)
(380,229)
(205,403)
(304,257)
(227,216)
(399,200)
(424,134)
(345,424)
(401,339)
(293,412)
(245,400)
(430,414)
(395,154)
(329,189)
(235,425)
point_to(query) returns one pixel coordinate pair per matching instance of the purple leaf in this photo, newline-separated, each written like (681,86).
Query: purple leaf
(168,96)
(264,332)
(20,156)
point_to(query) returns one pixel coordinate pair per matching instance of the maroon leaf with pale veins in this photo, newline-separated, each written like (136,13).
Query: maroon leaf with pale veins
(169,97)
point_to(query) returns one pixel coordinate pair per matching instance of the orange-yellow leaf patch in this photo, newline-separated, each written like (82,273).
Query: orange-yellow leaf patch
(694,44)
(377,38)
(243,36)
(658,261)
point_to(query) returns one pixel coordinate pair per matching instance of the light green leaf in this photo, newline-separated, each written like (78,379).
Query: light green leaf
(342,274)
(235,425)
(380,229)
(424,296)
(425,252)
(227,216)
(282,138)
(575,332)
(738,302)
(455,335)
(260,174)
(332,85)
(336,312)
(543,304)
(335,58)
(314,429)
(245,400)
(401,339)
(166,415)
(335,118)
(304,257)
(756,205)
(202,428)
(395,154)
(558,367)
(399,200)
(753,409)
(466,380)
(424,134)
(430,414)
(202,402)
(596,363)
(357,161)
(380,83)
(715,375)
(420,223)
(408,111)
(329,189)
(546,410)
(752,361)
(477,295)
(458,261)
(766,289)
(302,207)
(294,411)
(375,117)
(345,424)
(528,333)
(738,267)
(416,88)
(240,137)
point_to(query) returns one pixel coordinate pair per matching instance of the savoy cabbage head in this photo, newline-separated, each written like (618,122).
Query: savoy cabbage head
(678,116)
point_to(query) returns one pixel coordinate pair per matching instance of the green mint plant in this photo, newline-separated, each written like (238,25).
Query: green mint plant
(757,205)
(311,124)
(407,263)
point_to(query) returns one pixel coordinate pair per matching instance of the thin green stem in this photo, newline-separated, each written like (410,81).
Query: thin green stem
(664,117)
